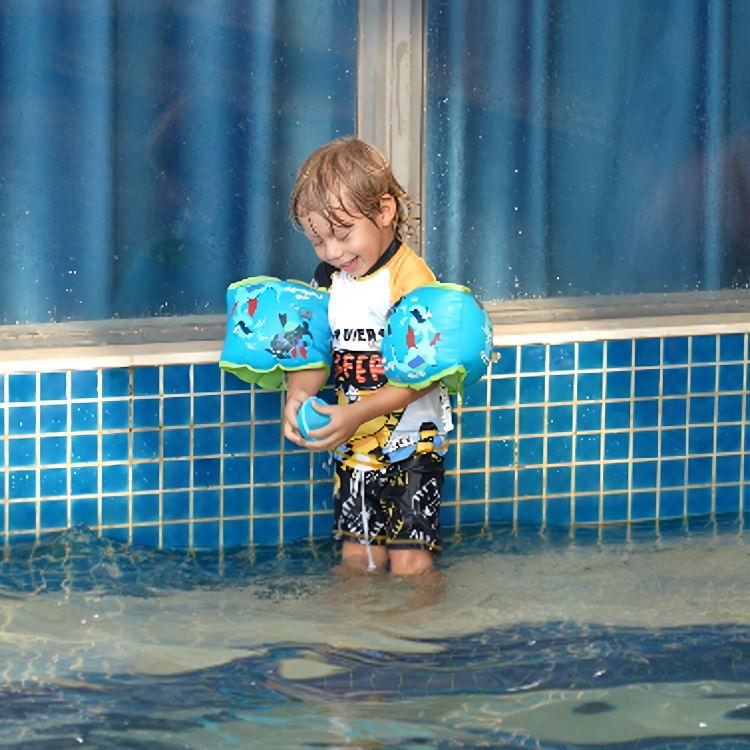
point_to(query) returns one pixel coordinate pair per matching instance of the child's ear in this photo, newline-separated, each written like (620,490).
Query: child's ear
(387,209)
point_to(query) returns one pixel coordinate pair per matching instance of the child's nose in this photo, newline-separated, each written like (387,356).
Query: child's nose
(334,250)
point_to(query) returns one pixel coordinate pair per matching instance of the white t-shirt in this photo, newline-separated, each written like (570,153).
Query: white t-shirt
(357,313)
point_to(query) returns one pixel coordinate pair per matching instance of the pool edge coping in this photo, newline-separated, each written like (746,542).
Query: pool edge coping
(97,350)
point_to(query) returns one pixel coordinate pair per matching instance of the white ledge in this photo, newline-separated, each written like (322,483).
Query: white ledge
(562,332)
(111,356)
(556,321)
(199,339)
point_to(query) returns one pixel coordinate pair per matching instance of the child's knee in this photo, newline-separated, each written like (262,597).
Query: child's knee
(355,556)
(410,562)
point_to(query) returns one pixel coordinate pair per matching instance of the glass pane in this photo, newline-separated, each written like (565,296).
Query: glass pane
(580,147)
(148,148)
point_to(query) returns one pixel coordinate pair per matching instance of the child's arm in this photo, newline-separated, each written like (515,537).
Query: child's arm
(302,385)
(346,418)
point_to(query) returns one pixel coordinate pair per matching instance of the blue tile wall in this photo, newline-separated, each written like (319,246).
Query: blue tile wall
(186,455)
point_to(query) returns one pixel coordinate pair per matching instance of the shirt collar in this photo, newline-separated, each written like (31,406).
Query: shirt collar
(390,251)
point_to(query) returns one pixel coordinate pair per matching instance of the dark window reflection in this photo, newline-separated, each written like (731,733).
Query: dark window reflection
(580,147)
(148,148)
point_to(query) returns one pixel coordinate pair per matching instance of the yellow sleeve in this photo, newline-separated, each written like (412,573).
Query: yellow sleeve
(408,272)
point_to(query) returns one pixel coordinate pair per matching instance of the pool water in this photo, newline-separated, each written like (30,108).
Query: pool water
(621,638)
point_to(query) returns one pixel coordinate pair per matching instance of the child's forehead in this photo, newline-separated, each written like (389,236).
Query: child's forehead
(332,220)
(335,210)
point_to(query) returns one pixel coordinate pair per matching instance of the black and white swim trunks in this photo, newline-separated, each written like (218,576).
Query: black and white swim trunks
(397,506)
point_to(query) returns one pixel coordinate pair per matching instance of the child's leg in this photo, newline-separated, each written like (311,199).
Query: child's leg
(356,517)
(410,562)
(354,556)
(412,503)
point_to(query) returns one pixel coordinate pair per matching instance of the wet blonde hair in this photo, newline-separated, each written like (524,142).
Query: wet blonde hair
(345,179)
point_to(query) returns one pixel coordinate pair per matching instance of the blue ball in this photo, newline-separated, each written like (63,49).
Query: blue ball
(308,419)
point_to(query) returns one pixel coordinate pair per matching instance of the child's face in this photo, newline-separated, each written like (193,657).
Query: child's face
(356,246)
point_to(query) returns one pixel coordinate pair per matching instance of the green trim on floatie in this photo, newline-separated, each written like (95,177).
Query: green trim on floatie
(261,279)
(452,377)
(251,280)
(271,380)
(445,285)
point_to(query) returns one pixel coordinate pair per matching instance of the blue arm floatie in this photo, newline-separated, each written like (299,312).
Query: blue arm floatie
(273,327)
(437,332)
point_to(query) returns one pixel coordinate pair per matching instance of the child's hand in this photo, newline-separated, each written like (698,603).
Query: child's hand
(291,430)
(345,419)
(302,384)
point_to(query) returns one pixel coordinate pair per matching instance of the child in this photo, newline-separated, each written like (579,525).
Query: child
(388,441)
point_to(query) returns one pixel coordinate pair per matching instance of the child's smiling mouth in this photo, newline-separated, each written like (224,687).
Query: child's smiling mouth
(349,265)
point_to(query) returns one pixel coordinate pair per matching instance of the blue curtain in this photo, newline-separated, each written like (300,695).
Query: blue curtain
(148,147)
(581,147)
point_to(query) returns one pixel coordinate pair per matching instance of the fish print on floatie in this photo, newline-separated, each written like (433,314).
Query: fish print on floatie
(293,341)
(244,309)
(421,338)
